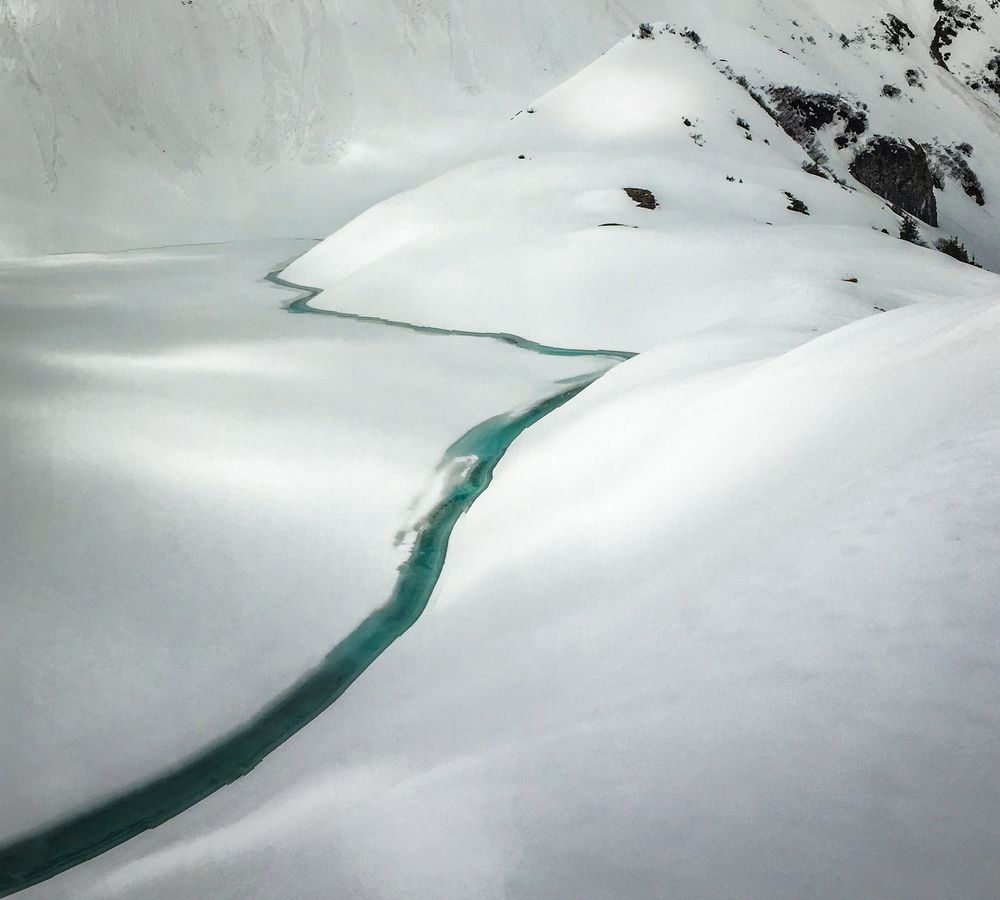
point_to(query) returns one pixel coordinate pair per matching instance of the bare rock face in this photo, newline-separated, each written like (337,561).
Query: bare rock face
(901,173)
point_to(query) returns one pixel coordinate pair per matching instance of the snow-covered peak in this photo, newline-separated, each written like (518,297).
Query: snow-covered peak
(648,197)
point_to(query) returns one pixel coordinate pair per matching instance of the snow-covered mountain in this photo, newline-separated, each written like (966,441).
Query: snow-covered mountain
(153,122)
(546,239)
(723,623)
(902,97)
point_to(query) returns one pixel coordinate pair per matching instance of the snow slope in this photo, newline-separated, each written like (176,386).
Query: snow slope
(526,245)
(203,494)
(714,629)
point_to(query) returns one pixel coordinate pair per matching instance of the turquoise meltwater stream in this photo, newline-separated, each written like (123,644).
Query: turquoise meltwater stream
(88,833)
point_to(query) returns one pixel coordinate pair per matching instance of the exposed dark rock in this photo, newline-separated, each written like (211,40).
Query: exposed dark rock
(802,110)
(915,78)
(891,91)
(897,33)
(643,199)
(990,76)
(944,34)
(796,205)
(801,113)
(899,172)
(953,17)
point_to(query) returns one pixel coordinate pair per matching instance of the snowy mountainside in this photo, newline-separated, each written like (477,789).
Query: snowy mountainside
(148,122)
(841,76)
(151,122)
(545,241)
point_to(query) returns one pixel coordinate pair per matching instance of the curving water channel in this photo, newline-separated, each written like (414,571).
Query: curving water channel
(91,832)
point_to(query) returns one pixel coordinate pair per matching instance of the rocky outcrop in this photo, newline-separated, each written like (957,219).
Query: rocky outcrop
(643,199)
(899,172)
(953,17)
(898,34)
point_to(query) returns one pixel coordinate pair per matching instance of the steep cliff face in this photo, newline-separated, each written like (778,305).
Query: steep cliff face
(900,173)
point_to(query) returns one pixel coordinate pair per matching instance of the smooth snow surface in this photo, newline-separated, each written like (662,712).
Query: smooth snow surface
(175,447)
(708,628)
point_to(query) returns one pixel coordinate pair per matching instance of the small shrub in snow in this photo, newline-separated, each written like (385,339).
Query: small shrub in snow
(645,32)
(692,36)
(891,91)
(742,123)
(908,231)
